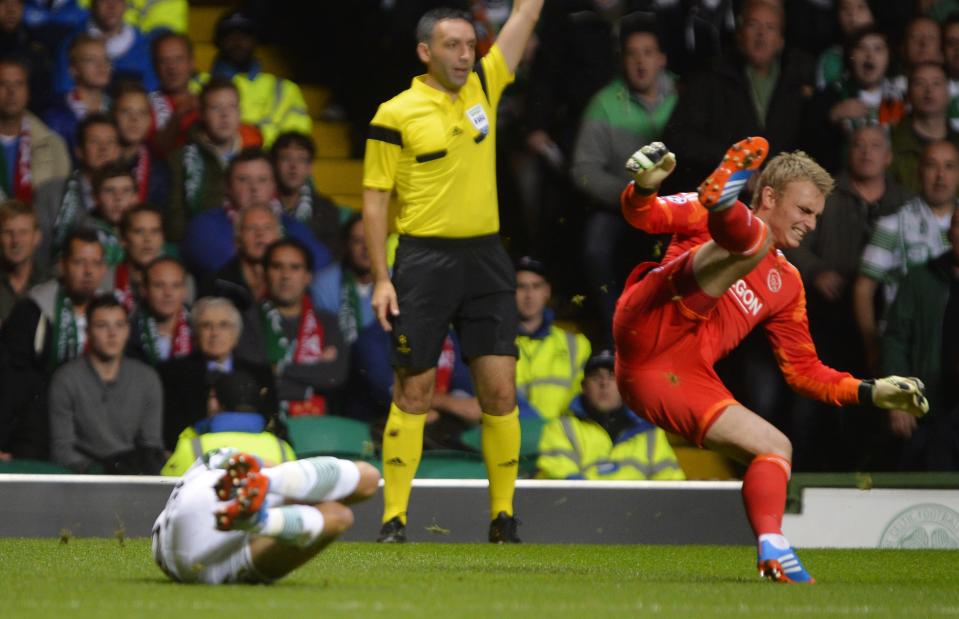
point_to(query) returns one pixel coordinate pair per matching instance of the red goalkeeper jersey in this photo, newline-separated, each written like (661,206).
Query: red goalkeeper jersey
(771,295)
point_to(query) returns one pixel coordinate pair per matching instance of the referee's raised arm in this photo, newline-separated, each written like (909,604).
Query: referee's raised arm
(516,31)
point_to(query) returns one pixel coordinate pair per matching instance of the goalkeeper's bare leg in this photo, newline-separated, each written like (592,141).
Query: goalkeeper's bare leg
(744,436)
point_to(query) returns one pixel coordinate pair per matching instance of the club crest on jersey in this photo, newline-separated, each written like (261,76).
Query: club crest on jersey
(747,300)
(774,281)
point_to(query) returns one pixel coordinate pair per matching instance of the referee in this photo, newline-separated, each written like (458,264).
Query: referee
(434,145)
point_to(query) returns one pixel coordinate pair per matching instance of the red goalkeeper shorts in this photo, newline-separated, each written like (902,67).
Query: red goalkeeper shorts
(664,351)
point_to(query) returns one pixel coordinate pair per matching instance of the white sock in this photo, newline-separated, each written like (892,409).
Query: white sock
(297,525)
(776,540)
(309,479)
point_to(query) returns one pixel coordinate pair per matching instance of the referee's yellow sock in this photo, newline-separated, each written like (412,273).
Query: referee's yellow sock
(402,448)
(501,436)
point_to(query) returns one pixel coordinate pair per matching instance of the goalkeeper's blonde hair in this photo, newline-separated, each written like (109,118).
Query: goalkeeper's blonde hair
(786,168)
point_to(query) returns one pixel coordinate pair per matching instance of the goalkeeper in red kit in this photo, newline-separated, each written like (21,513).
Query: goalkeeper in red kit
(722,276)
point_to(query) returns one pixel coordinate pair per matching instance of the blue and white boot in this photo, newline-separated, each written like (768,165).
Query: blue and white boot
(778,561)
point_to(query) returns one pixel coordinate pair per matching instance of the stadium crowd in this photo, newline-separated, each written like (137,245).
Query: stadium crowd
(160,229)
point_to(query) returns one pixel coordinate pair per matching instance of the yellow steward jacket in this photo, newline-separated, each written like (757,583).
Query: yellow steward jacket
(273,104)
(549,369)
(190,446)
(576,447)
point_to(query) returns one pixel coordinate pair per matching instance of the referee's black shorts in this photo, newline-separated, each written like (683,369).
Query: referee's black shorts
(469,283)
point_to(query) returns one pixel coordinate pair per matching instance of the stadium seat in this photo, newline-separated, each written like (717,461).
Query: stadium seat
(702,463)
(443,464)
(34,467)
(332,139)
(202,22)
(273,60)
(330,436)
(338,176)
(316,97)
(203,55)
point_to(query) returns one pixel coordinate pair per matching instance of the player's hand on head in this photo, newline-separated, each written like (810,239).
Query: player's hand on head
(901,393)
(650,165)
(384,303)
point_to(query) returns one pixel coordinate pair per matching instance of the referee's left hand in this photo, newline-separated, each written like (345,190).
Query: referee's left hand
(385,303)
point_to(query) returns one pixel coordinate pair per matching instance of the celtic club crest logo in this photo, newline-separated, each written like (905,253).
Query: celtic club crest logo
(927,525)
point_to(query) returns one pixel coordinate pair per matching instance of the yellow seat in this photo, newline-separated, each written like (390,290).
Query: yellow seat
(272,60)
(338,176)
(316,97)
(202,22)
(332,139)
(203,56)
(702,463)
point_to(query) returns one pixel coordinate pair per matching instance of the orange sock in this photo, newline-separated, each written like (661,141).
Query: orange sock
(764,493)
(737,230)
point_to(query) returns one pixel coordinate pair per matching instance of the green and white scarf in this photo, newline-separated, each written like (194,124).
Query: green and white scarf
(193,170)
(66,334)
(182,344)
(350,312)
(109,237)
(73,206)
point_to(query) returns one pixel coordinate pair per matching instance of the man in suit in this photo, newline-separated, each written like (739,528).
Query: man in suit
(188,381)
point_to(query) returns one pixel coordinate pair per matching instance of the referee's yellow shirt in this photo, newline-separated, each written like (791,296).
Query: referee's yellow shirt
(439,154)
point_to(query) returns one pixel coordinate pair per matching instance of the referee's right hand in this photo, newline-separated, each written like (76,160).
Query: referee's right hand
(384,303)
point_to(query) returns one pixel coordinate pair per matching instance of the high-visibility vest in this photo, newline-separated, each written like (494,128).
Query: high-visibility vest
(550,369)
(573,447)
(273,104)
(190,446)
(149,15)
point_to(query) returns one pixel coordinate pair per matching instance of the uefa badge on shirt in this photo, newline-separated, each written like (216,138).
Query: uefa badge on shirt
(478,118)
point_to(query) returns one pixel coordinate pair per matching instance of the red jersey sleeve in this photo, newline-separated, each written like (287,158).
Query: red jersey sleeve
(679,214)
(788,333)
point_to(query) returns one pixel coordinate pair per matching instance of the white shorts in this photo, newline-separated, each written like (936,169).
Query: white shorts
(187,545)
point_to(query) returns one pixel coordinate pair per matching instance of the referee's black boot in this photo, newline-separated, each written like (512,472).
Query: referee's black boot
(503,529)
(393,531)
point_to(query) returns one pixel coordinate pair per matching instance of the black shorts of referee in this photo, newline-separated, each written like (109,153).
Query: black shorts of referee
(469,283)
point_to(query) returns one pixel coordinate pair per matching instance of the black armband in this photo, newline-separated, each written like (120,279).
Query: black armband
(637,188)
(865,391)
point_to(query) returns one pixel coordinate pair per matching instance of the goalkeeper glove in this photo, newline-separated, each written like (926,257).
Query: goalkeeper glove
(650,166)
(898,393)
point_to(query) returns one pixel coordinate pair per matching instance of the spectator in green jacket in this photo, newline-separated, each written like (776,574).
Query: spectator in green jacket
(632,109)
(922,340)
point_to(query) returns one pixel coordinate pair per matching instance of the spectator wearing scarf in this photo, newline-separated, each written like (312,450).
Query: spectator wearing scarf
(32,154)
(131,112)
(61,206)
(48,327)
(345,288)
(161,324)
(208,244)
(175,102)
(292,154)
(198,168)
(91,70)
(303,345)
(141,236)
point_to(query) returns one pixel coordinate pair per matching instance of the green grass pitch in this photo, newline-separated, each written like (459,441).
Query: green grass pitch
(102,578)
